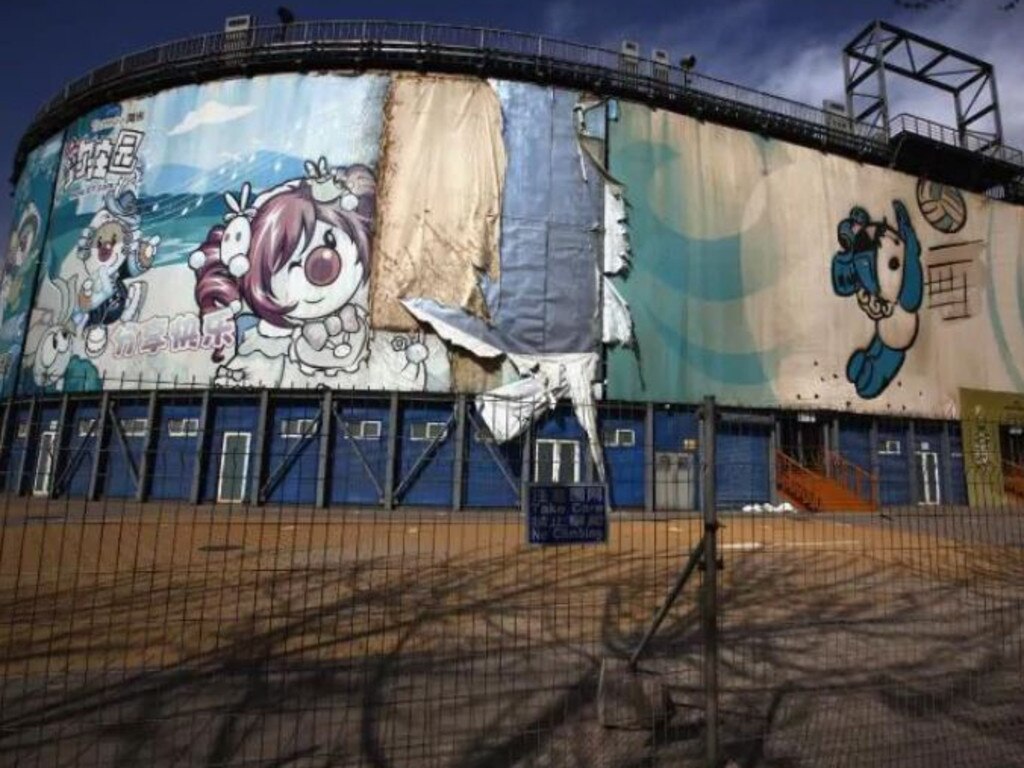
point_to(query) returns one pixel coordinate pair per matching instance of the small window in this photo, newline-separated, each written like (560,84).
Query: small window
(23,430)
(690,444)
(890,448)
(427,430)
(1017,430)
(619,438)
(134,427)
(363,430)
(86,427)
(187,427)
(292,429)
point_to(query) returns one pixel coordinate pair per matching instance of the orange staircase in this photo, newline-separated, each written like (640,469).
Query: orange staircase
(1013,479)
(850,489)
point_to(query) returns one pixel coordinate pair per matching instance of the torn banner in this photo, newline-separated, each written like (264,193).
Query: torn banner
(552,305)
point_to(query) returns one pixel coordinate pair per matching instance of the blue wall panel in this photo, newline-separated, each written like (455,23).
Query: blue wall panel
(123,465)
(174,458)
(80,453)
(742,464)
(432,483)
(855,442)
(17,450)
(625,465)
(291,463)
(484,483)
(349,481)
(957,473)
(893,468)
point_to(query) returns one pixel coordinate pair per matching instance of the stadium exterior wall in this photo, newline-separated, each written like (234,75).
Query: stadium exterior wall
(442,234)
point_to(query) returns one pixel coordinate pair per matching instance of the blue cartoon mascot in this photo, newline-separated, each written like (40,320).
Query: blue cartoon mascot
(881,266)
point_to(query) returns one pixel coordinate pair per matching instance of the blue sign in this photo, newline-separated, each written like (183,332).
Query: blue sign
(567,514)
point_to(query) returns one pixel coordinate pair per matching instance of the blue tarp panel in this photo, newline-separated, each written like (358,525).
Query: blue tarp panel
(893,468)
(230,416)
(550,226)
(431,485)
(83,433)
(291,463)
(120,480)
(349,481)
(742,473)
(624,464)
(484,484)
(174,456)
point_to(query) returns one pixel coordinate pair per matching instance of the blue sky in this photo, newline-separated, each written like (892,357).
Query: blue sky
(790,47)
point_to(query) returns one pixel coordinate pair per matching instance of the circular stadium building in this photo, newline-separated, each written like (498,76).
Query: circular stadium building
(392,265)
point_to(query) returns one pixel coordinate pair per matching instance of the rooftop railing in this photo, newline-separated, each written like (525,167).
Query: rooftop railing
(347,43)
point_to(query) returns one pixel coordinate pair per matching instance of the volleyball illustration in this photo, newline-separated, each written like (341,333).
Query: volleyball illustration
(942,206)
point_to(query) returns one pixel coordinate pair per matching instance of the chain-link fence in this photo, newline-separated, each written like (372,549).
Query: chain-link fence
(317,578)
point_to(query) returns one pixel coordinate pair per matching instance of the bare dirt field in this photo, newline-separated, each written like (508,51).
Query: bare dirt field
(174,635)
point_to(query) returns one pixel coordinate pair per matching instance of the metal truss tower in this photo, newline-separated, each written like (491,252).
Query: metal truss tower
(880,48)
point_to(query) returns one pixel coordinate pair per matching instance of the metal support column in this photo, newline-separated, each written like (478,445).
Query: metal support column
(709,602)
(526,470)
(876,475)
(915,497)
(649,488)
(5,442)
(59,441)
(146,460)
(458,467)
(389,469)
(99,450)
(256,460)
(324,456)
(202,449)
(947,466)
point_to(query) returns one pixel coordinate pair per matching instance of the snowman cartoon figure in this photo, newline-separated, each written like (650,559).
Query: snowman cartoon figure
(112,250)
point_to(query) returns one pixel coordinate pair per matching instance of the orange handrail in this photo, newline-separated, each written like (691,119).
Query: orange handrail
(796,480)
(856,479)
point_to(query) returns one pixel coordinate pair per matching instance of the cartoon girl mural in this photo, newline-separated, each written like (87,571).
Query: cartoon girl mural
(298,258)
(881,266)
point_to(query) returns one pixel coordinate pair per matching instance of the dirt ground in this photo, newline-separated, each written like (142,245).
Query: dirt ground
(173,635)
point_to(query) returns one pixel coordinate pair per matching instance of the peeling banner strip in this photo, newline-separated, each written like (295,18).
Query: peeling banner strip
(442,173)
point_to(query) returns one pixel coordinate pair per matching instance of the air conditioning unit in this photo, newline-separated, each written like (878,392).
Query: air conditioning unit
(660,64)
(836,118)
(629,56)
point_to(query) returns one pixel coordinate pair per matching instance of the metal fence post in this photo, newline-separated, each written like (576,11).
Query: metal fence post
(98,458)
(146,460)
(649,479)
(458,466)
(324,456)
(202,449)
(709,603)
(389,469)
(258,458)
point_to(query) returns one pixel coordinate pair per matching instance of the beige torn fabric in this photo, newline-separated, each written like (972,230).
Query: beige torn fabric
(439,205)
